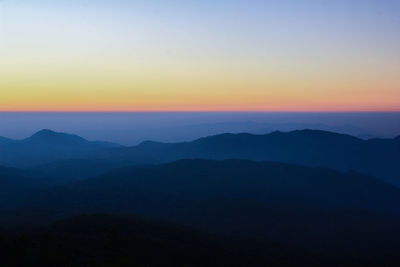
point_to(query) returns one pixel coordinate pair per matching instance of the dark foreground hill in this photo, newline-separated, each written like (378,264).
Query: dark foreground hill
(17,186)
(315,209)
(264,182)
(103,240)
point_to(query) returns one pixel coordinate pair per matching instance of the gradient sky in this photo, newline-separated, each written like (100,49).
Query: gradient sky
(310,55)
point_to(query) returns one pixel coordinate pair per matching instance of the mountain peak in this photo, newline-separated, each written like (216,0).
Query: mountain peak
(47,135)
(45,132)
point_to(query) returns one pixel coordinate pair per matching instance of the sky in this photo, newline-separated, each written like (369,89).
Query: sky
(209,55)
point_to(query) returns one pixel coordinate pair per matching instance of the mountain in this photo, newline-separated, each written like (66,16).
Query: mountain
(50,137)
(105,240)
(66,170)
(298,189)
(200,130)
(16,186)
(316,209)
(264,182)
(4,140)
(47,146)
(47,137)
(189,132)
(377,157)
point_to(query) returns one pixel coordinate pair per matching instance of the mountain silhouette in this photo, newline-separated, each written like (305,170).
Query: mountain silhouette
(15,186)
(378,157)
(47,137)
(4,140)
(74,169)
(312,208)
(265,182)
(47,146)
(105,240)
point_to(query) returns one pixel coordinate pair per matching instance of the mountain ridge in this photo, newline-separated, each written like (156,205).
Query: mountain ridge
(376,157)
(292,204)
(47,135)
(46,146)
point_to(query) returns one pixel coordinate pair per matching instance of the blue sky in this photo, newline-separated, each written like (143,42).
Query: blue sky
(199,55)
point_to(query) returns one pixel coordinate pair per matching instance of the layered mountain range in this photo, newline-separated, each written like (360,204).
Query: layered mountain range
(377,157)
(317,197)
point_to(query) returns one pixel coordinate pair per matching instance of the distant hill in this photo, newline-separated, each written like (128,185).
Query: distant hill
(174,133)
(47,146)
(48,137)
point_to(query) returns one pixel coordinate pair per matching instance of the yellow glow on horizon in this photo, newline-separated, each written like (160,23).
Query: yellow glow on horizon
(192,89)
(65,57)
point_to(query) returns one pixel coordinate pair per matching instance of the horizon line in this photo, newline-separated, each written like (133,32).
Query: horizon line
(199,111)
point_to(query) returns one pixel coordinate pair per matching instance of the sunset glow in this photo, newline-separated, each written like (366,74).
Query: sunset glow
(120,55)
